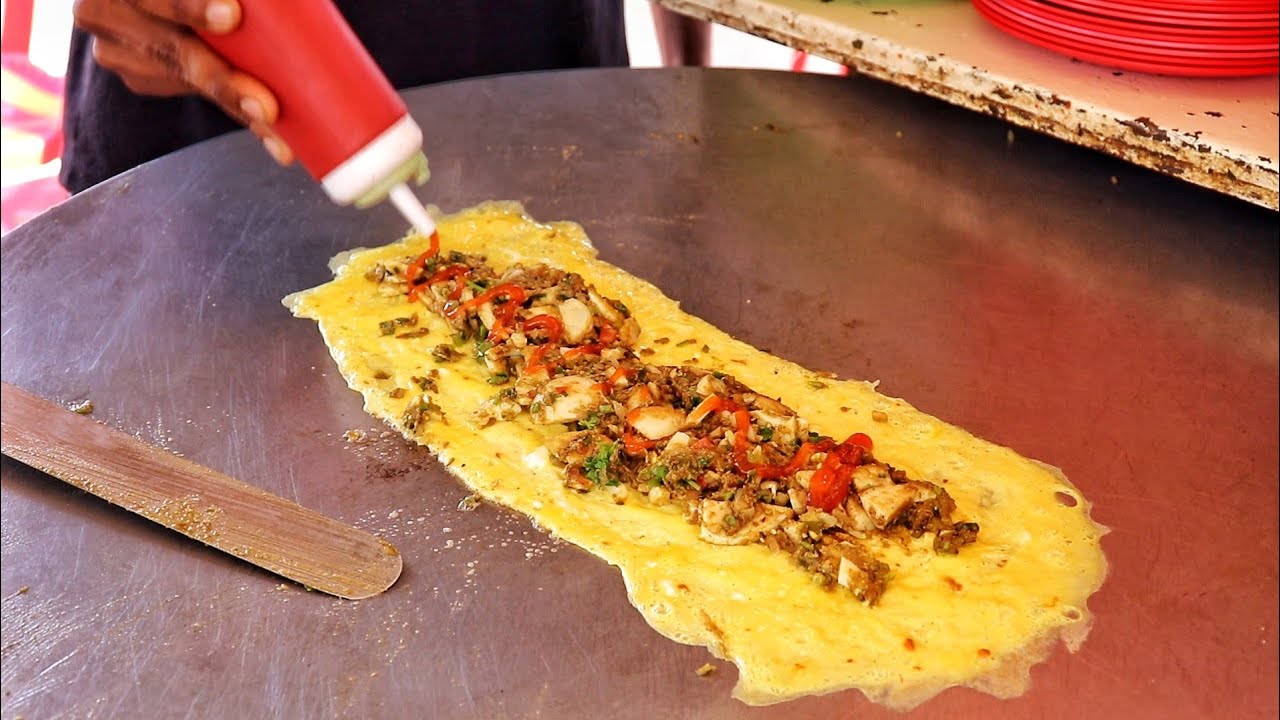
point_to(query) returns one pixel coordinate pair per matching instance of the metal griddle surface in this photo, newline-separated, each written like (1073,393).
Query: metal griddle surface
(1115,323)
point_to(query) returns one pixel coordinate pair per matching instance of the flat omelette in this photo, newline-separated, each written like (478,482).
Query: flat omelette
(816,533)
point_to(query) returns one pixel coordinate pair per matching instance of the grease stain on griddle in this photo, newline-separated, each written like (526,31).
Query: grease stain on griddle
(770,127)
(677,136)
(450,554)
(387,456)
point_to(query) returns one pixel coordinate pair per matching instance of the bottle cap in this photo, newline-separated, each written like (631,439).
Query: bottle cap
(392,157)
(414,169)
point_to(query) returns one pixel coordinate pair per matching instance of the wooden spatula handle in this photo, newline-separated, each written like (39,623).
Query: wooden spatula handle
(237,518)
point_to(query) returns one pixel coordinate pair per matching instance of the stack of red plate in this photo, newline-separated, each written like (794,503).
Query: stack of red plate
(1201,38)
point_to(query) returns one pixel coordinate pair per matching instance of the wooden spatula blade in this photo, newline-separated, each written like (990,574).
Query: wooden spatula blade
(222,512)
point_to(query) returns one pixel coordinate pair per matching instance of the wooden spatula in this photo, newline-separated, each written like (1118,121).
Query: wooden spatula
(222,512)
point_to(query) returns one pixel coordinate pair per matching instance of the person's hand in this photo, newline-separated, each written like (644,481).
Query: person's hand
(152,46)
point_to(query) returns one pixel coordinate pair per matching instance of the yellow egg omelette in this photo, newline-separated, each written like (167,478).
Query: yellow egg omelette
(819,535)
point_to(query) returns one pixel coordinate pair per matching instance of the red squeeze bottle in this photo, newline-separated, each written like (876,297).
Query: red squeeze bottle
(339,114)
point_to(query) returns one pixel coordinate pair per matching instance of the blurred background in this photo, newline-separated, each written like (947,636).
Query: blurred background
(36,35)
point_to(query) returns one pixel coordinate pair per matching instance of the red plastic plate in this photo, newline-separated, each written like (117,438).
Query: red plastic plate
(1084,29)
(1082,11)
(1063,42)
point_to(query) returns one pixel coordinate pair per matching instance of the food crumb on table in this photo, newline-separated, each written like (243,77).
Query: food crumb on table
(82,407)
(469,503)
(705,670)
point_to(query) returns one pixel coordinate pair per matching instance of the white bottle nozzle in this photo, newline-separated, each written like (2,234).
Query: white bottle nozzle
(409,206)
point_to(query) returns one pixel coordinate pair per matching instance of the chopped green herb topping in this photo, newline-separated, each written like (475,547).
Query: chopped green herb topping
(596,467)
(657,474)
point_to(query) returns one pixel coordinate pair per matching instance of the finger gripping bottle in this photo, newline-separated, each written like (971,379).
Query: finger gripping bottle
(338,112)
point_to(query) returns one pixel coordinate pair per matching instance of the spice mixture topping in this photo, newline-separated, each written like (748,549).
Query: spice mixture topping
(742,466)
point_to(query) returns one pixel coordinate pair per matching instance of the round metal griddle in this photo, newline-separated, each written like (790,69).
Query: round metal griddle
(1101,318)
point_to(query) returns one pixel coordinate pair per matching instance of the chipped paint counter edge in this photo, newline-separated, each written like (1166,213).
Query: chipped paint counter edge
(1202,161)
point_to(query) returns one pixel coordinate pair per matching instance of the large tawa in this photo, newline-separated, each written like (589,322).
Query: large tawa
(1115,323)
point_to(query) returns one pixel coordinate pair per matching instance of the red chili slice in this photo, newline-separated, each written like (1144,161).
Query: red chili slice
(550,324)
(554,329)
(589,349)
(414,271)
(514,294)
(504,315)
(826,489)
(635,445)
(796,463)
(829,486)
(705,443)
(607,333)
(614,378)
(742,446)
(446,274)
